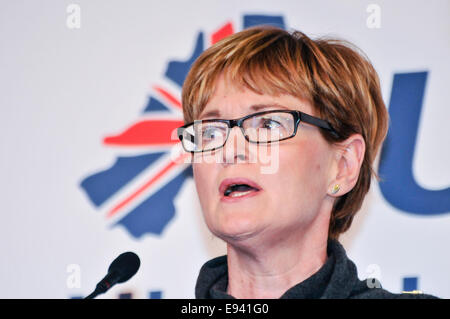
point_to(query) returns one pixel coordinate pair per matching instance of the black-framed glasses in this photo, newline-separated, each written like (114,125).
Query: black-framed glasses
(259,128)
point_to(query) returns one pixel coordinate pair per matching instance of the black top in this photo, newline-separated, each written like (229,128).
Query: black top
(336,279)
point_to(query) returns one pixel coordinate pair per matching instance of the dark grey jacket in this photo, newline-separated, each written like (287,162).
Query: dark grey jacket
(336,279)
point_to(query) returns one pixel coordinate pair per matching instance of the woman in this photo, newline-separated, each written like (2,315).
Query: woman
(316,107)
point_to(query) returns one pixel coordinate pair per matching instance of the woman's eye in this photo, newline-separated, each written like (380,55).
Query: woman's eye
(209,133)
(270,124)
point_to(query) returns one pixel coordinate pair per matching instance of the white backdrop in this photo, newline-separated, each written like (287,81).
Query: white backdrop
(72,75)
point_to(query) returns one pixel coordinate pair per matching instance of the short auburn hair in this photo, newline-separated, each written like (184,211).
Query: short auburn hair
(332,74)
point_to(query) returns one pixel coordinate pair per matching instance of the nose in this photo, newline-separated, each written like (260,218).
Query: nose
(235,148)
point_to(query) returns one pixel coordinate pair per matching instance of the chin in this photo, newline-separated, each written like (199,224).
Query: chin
(236,229)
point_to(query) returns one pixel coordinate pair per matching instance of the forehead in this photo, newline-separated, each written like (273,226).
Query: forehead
(231,101)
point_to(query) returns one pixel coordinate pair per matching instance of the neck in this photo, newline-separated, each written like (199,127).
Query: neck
(269,270)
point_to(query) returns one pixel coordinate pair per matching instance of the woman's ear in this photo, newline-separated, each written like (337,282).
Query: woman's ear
(349,158)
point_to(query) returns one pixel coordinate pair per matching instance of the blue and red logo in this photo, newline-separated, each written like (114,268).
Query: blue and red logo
(138,191)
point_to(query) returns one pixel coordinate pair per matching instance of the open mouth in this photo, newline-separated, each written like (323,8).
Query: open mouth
(238,190)
(238,187)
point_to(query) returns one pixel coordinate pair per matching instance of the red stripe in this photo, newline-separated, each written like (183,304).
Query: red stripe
(172,99)
(223,32)
(146,133)
(145,186)
(140,190)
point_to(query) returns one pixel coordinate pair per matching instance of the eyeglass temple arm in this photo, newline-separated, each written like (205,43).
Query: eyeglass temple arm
(317,122)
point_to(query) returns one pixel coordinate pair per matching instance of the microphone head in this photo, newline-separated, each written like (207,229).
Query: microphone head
(126,265)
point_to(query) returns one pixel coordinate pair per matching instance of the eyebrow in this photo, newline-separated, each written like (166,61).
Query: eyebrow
(254,107)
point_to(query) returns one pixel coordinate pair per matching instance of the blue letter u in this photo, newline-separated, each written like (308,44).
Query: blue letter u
(398,185)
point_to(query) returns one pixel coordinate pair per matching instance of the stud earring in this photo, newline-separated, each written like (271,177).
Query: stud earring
(335,189)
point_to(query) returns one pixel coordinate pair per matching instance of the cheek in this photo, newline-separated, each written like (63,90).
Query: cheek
(200,173)
(204,177)
(303,169)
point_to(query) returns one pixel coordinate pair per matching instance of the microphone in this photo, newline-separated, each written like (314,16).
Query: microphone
(121,269)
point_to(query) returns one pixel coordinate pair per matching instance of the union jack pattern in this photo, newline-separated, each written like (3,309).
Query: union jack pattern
(138,191)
